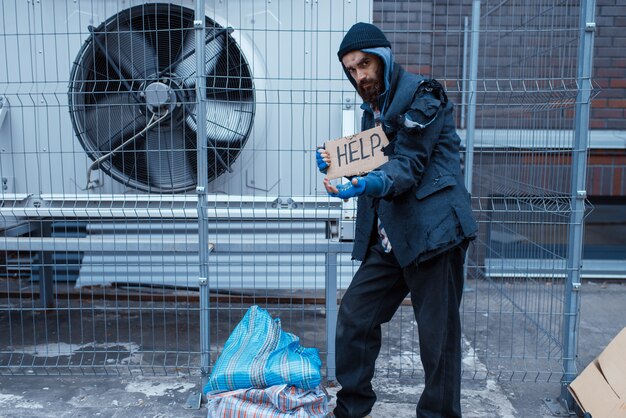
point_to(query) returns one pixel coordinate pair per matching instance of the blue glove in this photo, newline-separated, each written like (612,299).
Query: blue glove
(322,166)
(372,185)
(349,190)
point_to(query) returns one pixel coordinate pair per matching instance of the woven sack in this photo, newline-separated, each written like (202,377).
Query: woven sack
(279,401)
(259,354)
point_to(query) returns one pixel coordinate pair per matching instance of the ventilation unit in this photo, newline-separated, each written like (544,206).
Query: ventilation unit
(133,94)
(100,127)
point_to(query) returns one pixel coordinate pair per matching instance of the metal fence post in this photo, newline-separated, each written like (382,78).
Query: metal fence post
(202,183)
(331,312)
(471,105)
(578,195)
(463,122)
(46,273)
(468,162)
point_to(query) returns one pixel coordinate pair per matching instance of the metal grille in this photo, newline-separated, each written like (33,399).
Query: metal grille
(135,232)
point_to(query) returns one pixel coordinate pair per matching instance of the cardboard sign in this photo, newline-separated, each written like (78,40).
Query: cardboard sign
(357,154)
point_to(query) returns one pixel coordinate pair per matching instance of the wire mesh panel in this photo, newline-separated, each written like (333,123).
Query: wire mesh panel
(128,119)
(522,184)
(147,206)
(100,239)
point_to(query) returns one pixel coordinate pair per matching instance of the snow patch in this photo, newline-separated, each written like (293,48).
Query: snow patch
(64,349)
(157,386)
(16,401)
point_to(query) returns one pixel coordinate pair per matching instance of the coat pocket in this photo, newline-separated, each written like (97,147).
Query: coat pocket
(434,186)
(445,231)
(466,220)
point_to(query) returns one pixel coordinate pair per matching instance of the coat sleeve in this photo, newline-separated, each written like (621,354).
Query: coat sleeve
(417,134)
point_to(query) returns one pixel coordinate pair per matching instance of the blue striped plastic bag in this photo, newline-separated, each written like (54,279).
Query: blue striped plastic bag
(259,354)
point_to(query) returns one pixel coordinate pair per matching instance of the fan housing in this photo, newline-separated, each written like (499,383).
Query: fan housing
(133,101)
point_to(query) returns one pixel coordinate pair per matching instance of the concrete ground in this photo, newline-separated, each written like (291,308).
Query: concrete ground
(602,316)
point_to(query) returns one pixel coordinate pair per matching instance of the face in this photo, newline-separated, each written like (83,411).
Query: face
(367,70)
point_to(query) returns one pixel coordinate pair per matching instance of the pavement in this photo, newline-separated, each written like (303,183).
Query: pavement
(602,316)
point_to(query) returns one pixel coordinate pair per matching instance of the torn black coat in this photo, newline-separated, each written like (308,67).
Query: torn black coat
(425,207)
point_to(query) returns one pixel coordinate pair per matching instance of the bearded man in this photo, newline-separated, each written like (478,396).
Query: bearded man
(414,222)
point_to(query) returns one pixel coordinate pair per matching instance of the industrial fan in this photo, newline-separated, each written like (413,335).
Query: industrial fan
(133,99)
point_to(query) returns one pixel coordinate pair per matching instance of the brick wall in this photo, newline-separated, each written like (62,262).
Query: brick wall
(528,57)
(409,27)
(609,70)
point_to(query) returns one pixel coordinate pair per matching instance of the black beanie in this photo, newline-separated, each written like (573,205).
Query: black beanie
(360,36)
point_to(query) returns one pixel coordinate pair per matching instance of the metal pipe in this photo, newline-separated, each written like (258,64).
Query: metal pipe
(96,244)
(578,195)
(471,113)
(169,213)
(170,245)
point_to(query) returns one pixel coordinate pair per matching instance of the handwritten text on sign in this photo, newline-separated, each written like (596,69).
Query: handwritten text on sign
(357,154)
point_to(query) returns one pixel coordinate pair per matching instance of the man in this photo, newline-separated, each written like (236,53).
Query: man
(414,222)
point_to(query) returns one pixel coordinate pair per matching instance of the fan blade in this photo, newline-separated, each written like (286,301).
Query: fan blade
(227,122)
(168,159)
(131,51)
(186,68)
(112,120)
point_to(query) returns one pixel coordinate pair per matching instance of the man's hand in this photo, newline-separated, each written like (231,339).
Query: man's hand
(322,158)
(347,190)
(372,185)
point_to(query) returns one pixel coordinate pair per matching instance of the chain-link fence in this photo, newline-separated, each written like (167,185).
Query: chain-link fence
(145,208)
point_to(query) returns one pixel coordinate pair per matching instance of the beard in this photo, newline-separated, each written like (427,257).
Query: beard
(369,88)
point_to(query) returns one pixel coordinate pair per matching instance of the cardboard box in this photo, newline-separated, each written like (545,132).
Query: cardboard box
(601,388)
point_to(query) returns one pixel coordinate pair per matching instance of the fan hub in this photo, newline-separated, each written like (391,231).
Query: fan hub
(160,97)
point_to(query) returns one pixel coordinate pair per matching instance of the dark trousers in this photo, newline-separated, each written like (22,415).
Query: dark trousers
(376,292)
